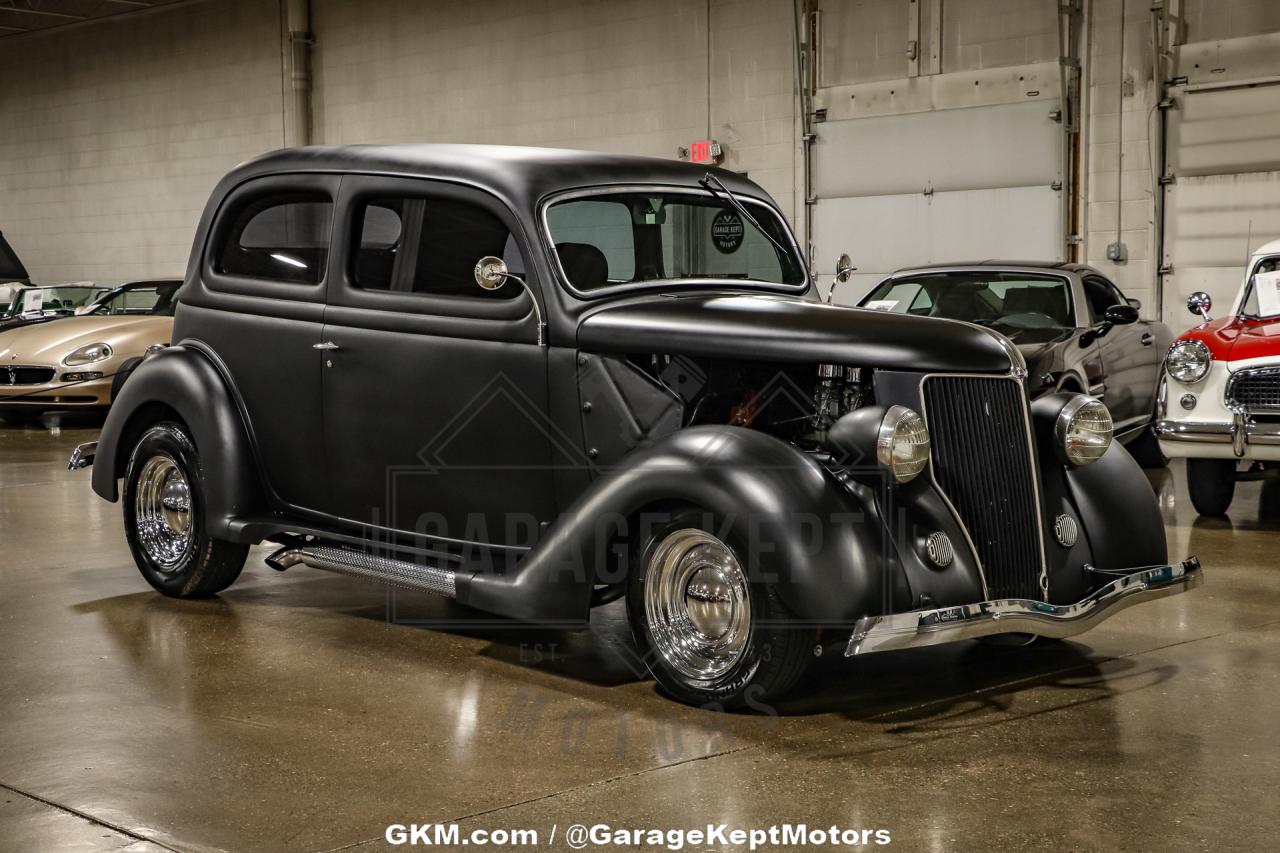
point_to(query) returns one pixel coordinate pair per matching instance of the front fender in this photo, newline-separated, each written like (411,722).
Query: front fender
(800,529)
(180,380)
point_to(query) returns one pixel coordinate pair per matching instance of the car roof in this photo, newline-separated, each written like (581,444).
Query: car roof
(996,266)
(521,175)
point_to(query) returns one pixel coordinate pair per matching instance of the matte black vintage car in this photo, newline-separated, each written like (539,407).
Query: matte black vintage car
(539,381)
(1076,330)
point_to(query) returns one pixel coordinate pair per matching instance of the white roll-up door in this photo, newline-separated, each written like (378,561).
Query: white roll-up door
(930,187)
(1223,151)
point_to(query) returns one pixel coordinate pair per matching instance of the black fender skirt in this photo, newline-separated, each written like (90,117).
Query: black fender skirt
(182,380)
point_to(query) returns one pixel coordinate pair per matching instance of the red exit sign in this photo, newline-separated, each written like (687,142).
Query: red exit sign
(706,151)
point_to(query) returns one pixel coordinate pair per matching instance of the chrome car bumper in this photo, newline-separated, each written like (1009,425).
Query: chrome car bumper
(82,456)
(1021,616)
(1241,433)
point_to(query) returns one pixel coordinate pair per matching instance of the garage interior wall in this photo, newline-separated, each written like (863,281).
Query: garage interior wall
(936,139)
(113,134)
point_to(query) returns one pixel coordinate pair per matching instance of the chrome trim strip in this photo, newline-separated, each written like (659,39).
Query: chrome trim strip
(347,561)
(82,456)
(1035,472)
(1021,616)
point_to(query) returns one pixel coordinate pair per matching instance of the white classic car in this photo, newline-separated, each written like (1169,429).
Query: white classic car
(1221,404)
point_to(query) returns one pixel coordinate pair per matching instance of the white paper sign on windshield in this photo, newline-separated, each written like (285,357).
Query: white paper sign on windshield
(32,301)
(882,304)
(1267,286)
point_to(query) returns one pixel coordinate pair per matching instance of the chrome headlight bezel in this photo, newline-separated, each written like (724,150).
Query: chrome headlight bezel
(1084,431)
(89,354)
(1188,361)
(902,444)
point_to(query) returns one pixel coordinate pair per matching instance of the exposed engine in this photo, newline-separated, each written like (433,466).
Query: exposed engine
(798,403)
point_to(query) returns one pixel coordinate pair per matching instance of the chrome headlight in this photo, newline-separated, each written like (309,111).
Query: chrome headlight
(90,354)
(1188,361)
(902,445)
(1084,430)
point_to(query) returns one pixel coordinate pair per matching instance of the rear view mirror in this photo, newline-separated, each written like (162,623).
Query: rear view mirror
(844,272)
(491,272)
(1200,304)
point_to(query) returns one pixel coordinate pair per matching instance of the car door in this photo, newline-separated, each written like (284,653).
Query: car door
(1129,355)
(435,390)
(258,306)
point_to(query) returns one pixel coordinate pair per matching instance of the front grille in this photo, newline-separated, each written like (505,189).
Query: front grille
(1256,390)
(982,461)
(25,375)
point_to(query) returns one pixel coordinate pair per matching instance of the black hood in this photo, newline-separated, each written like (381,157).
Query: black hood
(11,269)
(790,329)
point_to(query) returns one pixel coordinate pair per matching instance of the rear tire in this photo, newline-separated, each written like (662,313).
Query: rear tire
(164,501)
(710,636)
(1212,483)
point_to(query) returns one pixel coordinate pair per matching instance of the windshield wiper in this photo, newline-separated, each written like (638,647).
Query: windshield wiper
(741,208)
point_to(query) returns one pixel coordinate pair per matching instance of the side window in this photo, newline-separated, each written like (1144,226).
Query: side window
(430,246)
(282,236)
(1101,295)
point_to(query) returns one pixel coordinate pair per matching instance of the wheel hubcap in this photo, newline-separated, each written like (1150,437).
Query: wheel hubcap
(162,512)
(698,604)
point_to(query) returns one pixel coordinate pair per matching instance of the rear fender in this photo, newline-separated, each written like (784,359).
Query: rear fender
(180,381)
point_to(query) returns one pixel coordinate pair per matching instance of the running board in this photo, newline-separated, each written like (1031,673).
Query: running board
(347,561)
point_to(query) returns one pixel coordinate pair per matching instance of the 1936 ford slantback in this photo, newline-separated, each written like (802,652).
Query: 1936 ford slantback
(538,381)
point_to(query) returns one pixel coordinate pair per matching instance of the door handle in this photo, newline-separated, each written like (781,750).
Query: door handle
(1148,339)
(327,346)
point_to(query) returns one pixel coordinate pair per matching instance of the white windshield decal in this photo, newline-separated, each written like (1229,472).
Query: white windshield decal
(1267,286)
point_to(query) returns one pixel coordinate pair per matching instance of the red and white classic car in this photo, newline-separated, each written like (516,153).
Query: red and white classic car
(1221,403)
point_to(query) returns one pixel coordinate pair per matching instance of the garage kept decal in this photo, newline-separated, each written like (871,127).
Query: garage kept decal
(727,231)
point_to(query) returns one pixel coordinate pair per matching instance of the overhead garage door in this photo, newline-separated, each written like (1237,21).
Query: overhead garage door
(1223,149)
(946,185)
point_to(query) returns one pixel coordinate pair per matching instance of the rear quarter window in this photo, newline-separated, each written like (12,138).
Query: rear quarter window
(279,236)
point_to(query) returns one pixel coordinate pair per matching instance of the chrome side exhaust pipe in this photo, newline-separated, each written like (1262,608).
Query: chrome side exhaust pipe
(346,561)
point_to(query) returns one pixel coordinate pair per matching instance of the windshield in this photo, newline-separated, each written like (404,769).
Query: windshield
(152,299)
(1263,298)
(44,301)
(1024,307)
(659,236)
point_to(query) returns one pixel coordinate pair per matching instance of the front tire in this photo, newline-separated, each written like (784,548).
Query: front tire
(164,501)
(710,635)
(1212,483)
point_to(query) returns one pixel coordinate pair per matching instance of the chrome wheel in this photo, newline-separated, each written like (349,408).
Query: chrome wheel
(162,512)
(698,605)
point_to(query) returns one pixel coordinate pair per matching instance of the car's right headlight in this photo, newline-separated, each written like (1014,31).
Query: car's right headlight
(1188,361)
(903,443)
(1084,430)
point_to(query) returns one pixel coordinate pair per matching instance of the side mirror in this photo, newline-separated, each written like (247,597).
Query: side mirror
(1120,315)
(1199,304)
(491,272)
(844,272)
(1136,303)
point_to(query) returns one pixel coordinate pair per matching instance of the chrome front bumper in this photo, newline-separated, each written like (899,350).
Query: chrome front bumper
(1241,432)
(1021,616)
(82,456)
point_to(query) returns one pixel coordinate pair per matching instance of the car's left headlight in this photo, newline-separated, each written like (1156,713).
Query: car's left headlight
(1084,430)
(903,443)
(1188,361)
(90,354)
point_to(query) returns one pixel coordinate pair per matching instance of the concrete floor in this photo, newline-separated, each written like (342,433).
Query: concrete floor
(291,714)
